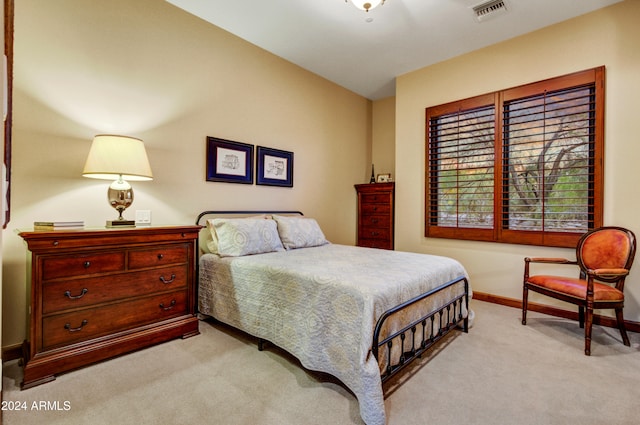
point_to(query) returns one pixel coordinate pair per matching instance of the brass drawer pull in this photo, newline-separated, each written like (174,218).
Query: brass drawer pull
(87,264)
(166,282)
(173,303)
(75,297)
(160,256)
(70,329)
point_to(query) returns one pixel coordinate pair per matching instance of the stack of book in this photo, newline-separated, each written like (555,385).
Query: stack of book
(58,225)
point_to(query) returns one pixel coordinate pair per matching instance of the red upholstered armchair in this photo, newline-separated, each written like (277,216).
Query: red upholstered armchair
(604,256)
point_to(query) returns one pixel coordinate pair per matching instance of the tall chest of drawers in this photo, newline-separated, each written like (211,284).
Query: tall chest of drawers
(96,294)
(376,215)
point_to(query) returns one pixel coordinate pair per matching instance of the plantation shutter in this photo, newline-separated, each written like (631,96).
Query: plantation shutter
(522,165)
(548,166)
(461,156)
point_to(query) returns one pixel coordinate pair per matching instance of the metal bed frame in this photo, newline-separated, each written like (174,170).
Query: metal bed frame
(430,328)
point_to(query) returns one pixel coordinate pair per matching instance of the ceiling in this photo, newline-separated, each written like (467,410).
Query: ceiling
(365,51)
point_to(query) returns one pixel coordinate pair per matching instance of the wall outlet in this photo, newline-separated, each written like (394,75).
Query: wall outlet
(143,217)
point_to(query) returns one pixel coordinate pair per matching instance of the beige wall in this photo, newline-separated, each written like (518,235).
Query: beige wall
(384,136)
(147,69)
(606,37)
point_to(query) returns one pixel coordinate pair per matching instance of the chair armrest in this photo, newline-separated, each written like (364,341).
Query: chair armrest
(549,260)
(608,273)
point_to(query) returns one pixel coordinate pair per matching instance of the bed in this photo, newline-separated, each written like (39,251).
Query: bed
(359,314)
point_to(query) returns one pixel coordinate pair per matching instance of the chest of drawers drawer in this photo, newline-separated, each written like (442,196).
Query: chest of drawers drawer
(82,264)
(76,293)
(375,198)
(383,233)
(63,329)
(157,256)
(376,220)
(378,209)
(373,243)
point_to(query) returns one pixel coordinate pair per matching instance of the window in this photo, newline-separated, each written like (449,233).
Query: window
(522,165)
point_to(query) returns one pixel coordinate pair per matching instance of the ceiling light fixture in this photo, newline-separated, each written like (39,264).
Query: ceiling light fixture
(366,5)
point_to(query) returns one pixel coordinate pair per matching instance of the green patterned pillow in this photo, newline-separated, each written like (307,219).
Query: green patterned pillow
(299,232)
(245,236)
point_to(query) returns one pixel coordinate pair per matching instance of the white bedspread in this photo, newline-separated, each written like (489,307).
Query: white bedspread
(321,304)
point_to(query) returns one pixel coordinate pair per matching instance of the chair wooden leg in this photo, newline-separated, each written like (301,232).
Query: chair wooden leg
(587,331)
(621,327)
(525,296)
(581,316)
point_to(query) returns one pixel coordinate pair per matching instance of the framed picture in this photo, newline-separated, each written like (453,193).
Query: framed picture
(383,178)
(274,167)
(229,162)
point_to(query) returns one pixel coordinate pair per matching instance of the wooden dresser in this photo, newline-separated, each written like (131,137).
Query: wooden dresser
(375,215)
(100,293)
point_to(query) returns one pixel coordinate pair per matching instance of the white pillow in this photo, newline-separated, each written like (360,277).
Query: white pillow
(245,236)
(299,232)
(205,240)
(209,240)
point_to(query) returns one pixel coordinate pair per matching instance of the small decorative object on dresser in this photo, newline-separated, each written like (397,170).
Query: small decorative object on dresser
(384,178)
(96,294)
(376,215)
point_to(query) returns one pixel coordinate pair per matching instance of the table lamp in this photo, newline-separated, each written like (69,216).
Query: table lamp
(120,158)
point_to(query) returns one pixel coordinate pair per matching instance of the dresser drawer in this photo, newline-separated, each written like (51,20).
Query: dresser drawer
(375,220)
(158,256)
(78,293)
(375,243)
(91,323)
(82,264)
(374,233)
(375,198)
(382,209)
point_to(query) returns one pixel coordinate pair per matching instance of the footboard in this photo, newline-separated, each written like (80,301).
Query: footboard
(427,330)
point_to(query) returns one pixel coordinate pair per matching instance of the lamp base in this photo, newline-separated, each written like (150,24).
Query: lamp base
(121,223)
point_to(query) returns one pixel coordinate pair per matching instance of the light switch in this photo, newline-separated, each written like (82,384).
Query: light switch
(143,217)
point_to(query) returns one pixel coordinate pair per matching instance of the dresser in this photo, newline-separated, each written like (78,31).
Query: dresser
(375,215)
(96,294)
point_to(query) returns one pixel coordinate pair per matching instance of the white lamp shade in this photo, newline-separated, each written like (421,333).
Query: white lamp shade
(112,156)
(366,5)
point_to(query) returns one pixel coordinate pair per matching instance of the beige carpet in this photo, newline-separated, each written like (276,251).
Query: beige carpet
(499,373)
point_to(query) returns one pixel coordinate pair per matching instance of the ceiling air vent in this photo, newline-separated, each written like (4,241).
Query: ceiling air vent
(489,9)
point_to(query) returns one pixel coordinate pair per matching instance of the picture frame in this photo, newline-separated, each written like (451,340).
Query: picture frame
(383,178)
(229,161)
(274,167)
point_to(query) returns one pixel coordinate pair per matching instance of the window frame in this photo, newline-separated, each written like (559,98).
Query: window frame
(497,233)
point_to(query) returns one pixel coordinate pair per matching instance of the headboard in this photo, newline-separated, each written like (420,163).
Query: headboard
(246,212)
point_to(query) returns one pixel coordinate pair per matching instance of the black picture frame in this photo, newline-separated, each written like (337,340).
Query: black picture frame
(229,161)
(274,167)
